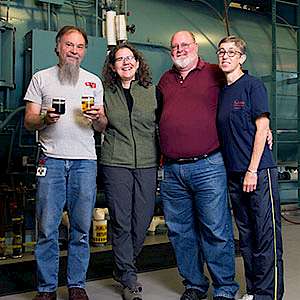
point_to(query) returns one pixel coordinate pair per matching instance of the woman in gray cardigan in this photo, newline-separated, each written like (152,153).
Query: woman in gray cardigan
(129,157)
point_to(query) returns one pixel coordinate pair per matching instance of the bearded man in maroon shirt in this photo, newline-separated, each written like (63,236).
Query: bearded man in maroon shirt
(194,188)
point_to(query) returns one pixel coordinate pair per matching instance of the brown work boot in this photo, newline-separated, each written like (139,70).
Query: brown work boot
(45,296)
(77,294)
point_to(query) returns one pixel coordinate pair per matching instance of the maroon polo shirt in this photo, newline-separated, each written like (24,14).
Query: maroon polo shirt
(188,119)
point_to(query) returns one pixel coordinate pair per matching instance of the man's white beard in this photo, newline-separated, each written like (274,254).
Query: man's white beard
(68,74)
(182,63)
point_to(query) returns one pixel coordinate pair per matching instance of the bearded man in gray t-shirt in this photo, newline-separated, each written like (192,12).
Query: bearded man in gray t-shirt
(66,174)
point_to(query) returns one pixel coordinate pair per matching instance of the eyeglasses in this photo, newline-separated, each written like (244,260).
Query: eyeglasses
(78,46)
(230,53)
(183,46)
(124,58)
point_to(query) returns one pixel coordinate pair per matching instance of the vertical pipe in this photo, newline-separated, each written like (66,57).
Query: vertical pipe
(274,82)
(49,16)
(7,98)
(298,96)
(111,28)
(97,17)
(7,10)
(226,17)
(1,47)
(12,138)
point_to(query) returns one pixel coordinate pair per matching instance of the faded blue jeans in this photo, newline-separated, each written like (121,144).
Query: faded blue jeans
(197,214)
(71,183)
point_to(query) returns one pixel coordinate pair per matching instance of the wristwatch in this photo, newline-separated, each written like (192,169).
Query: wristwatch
(252,172)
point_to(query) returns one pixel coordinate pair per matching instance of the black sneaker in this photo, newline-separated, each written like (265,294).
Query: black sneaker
(192,294)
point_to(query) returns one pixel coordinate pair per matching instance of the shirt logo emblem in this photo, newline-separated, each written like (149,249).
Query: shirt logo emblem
(238,104)
(91,84)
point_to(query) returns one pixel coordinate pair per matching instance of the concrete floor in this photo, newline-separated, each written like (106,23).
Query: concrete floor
(166,284)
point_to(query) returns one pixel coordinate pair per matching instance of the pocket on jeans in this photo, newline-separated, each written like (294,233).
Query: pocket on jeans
(216,159)
(166,172)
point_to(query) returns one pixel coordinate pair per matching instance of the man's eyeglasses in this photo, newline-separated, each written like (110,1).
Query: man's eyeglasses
(124,58)
(183,46)
(230,53)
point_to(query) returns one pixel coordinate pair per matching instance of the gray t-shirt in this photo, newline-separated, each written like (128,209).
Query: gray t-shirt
(72,137)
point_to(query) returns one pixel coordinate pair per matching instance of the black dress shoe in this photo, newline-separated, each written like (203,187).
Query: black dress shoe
(192,294)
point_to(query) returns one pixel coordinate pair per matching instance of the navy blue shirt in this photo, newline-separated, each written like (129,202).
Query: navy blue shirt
(240,104)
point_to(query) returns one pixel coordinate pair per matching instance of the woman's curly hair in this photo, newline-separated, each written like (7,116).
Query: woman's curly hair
(110,78)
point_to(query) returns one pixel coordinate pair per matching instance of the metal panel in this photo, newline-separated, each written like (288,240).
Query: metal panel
(157,56)
(6,55)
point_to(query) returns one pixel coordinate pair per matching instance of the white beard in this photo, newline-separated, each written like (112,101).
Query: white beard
(68,74)
(184,62)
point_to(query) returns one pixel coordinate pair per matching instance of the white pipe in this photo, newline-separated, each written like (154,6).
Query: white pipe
(111,28)
(121,28)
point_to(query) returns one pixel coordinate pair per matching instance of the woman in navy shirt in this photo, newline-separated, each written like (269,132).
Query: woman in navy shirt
(243,122)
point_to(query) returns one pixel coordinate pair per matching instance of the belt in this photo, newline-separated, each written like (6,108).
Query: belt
(188,160)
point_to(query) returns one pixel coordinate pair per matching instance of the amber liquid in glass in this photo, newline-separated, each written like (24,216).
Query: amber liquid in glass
(86,103)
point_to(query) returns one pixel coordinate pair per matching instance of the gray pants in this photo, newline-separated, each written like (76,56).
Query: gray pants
(130,194)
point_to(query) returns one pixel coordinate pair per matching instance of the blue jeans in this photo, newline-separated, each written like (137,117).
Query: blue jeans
(197,214)
(70,183)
